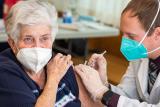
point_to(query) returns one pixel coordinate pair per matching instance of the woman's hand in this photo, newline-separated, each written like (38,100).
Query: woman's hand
(91,80)
(58,66)
(56,69)
(99,63)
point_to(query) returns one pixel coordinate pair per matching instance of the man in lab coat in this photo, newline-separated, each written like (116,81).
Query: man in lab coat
(140,85)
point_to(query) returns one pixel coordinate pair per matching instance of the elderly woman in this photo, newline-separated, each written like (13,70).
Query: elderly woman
(29,75)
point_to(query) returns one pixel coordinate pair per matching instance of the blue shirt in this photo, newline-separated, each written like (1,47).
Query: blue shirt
(17,89)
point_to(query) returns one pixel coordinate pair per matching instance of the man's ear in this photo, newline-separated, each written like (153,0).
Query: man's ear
(12,44)
(157,34)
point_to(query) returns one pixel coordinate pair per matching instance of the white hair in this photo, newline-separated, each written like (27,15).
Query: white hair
(31,12)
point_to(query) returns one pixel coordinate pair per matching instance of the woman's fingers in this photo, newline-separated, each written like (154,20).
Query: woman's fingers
(67,59)
(58,56)
(59,65)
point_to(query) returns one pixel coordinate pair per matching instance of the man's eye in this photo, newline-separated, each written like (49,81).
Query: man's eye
(130,37)
(133,35)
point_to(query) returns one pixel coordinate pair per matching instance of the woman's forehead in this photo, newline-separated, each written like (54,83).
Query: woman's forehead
(35,30)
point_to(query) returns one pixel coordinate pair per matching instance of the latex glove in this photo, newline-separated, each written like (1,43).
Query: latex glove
(91,80)
(58,66)
(99,63)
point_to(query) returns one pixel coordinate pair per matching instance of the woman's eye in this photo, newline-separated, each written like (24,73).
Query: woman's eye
(45,39)
(26,40)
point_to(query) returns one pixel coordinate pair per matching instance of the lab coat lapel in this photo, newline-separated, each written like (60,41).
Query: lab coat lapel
(155,92)
(143,79)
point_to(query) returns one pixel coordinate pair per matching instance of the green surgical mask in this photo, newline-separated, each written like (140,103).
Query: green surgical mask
(132,50)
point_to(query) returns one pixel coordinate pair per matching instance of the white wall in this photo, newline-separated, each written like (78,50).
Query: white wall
(108,11)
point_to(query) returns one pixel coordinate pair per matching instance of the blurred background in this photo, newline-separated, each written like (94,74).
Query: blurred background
(86,27)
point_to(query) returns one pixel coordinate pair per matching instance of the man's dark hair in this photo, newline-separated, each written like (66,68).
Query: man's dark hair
(145,11)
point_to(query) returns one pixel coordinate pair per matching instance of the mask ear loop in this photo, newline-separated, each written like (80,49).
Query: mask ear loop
(151,24)
(153,51)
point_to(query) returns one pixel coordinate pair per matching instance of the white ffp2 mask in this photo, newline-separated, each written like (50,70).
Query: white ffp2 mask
(34,58)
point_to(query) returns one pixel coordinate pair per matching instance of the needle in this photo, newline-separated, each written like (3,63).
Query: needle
(85,63)
(103,52)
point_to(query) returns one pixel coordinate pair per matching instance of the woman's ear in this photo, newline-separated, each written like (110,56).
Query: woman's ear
(12,44)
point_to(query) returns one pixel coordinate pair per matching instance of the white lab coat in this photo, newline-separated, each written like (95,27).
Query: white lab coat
(134,85)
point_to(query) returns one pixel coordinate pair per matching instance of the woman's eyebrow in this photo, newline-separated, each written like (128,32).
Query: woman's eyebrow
(24,36)
(48,34)
(27,35)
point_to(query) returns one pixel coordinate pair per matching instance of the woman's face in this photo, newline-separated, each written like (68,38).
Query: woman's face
(34,36)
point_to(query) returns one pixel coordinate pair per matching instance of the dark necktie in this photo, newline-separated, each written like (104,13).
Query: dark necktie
(153,73)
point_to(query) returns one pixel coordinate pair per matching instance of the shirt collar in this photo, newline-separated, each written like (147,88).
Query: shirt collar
(156,61)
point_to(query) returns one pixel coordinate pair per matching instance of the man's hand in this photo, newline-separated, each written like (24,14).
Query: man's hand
(99,63)
(91,80)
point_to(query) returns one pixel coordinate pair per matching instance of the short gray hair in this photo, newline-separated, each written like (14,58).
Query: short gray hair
(31,12)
